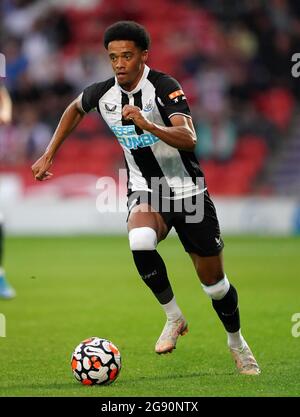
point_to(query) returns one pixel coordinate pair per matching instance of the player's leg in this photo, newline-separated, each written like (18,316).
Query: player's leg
(223,294)
(146,229)
(225,302)
(201,239)
(6,291)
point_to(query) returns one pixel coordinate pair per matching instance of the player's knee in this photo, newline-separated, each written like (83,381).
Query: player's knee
(142,238)
(218,290)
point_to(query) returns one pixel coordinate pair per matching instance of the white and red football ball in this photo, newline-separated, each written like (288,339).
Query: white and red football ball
(96,361)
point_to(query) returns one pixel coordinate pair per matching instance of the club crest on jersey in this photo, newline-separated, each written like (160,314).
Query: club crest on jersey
(110,109)
(148,106)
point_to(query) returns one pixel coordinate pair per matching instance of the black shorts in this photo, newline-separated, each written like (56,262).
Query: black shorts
(194,219)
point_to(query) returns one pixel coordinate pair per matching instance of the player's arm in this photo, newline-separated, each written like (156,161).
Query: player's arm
(5,106)
(180,135)
(69,120)
(173,105)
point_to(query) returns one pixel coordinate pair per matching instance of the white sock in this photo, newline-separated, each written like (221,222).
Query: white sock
(1,271)
(235,340)
(172,310)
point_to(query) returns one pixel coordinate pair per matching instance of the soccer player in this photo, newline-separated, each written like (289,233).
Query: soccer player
(150,117)
(6,290)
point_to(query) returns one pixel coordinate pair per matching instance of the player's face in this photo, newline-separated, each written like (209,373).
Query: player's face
(128,62)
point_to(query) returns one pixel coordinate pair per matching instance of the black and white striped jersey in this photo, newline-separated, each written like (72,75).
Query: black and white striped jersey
(149,161)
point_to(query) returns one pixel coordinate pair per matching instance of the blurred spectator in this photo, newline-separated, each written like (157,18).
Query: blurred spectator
(212,85)
(33,133)
(85,68)
(216,139)
(234,60)
(26,140)
(251,123)
(5,106)
(16,62)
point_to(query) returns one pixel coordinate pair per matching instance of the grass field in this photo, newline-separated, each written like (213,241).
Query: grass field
(72,288)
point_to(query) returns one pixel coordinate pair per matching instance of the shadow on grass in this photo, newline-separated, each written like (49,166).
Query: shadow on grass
(120,383)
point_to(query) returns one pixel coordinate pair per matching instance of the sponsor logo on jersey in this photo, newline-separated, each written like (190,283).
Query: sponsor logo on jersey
(128,138)
(110,109)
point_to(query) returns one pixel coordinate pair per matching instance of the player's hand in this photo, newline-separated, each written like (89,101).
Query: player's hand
(134,113)
(40,168)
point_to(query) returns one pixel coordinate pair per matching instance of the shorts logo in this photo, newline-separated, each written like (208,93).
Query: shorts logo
(218,241)
(110,109)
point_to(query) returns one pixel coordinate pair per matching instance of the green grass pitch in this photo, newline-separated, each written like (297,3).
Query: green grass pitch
(70,288)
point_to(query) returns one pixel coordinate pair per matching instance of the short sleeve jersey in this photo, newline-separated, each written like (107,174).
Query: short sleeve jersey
(149,160)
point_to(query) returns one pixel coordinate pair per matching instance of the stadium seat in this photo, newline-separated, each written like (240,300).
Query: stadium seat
(277,105)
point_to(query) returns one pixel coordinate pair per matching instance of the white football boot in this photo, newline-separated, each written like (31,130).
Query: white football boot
(168,338)
(244,360)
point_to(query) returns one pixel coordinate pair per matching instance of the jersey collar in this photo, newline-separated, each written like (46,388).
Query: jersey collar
(140,83)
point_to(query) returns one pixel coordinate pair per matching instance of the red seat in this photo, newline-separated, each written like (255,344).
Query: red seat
(276,105)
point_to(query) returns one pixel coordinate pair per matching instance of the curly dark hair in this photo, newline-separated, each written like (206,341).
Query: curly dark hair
(127,31)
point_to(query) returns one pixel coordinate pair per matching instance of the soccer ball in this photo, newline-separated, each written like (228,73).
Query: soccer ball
(96,361)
